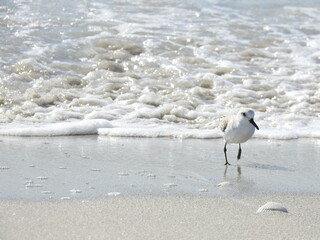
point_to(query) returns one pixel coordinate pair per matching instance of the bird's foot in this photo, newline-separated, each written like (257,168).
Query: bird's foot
(227,164)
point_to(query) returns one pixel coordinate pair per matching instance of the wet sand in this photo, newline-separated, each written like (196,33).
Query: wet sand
(57,168)
(162,217)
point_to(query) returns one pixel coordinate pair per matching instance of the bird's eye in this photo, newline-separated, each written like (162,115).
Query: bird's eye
(244,114)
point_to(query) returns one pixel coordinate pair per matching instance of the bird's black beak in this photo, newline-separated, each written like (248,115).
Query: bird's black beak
(253,123)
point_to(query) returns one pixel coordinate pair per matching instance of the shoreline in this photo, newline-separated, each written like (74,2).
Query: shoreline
(85,167)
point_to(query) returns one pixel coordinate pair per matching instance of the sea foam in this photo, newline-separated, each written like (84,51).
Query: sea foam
(168,132)
(176,67)
(84,127)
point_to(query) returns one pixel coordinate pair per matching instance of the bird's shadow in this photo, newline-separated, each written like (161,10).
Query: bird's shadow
(269,167)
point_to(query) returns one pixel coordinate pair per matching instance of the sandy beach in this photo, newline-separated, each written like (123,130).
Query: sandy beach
(143,188)
(162,217)
(110,115)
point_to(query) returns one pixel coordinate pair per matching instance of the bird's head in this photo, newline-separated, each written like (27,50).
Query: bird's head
(249,115)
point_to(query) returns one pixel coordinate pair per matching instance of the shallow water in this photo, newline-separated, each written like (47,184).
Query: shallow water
(154,63)
(89,167)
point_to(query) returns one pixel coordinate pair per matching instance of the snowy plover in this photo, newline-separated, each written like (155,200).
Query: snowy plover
(238,129)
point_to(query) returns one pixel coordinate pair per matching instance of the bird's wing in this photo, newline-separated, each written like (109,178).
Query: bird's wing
(224,123)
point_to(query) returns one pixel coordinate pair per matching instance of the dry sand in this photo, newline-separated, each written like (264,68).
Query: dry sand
(161,217)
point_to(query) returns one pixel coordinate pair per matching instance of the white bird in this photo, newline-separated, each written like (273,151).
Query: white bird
(238,129)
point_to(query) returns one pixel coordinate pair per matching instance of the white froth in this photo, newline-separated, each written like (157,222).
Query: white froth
(168,132)
(167,65)
(84,127)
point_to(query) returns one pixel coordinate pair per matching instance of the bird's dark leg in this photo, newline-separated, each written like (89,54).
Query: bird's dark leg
(239,152)
(225,154)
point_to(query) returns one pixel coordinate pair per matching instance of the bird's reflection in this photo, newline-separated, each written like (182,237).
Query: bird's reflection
(235,182)
(238,171)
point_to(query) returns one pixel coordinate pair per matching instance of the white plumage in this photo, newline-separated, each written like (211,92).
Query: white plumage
(238,129)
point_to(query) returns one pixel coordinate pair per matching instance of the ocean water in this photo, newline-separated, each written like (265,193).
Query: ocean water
(159,67)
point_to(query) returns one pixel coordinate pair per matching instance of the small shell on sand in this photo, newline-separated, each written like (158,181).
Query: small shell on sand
(31,185)
(151,175)
(224,184)
(170,185)
(114,194)
(47,192)
(203,190)
(272,206)
(123,174)
(42,178)
(95,170)
(75,191)
(65,198)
